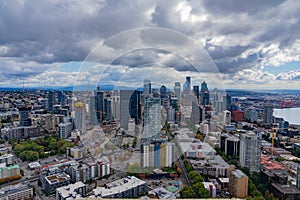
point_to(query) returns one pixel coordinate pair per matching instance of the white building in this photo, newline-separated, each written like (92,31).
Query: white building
(250,150)
(76,190)
(65,129)
(128,187)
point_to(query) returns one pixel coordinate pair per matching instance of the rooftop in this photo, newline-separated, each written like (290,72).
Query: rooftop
(286,189)
(118,186)
(13,188)
(69,190)
(52,179)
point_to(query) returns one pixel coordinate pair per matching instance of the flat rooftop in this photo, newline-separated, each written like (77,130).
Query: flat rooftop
(286,189)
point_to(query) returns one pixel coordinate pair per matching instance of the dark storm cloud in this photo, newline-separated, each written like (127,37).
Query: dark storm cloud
(237,34)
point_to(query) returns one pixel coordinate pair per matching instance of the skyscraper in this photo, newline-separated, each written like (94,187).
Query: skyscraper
(25,116)
(135,106)
(177,90)
(250,149)
(164,96)
(51,100)
(80,116)
(187,85)
(61,97)
(196,91)
(125,96)
(268,114)
(99,101)
(92,111)
(204,94)
(147,87)
(198,113)
(152,117)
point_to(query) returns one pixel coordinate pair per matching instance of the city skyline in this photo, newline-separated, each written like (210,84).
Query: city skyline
(254,45)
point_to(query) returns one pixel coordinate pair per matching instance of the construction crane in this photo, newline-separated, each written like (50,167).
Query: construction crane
(273,136)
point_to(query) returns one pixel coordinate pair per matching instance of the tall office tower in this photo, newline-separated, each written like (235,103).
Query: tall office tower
(147,155)
(61,97)
(108,109)
(198,113)
(116,107)
(51,100)
(177,90)
(228,102)
(99,101)
(92,111)
(250,149)
(125,96)
(80,116)
(226,117)
(196,91)
(204,94)
(298,177)
(268,114)
(187,85)
(152,117)
(25,116)
(174,105)
(147,87)
(135,106)
(164,96)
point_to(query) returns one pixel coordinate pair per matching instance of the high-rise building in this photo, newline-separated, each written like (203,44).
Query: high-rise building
(125,96)
(204,94)
(92,111)
(177,90)
(237,116)
(268,114)
(187,85)
(99,101)
(51,100)
(80,116)
(25,116)
(198,113)
(196,91)
(164,96)
(116,107)
(61,97)
(152,117)
(157,154)
(135,106)
(147,87)
(250,150)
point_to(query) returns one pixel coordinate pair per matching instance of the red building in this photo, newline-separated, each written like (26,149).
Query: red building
(237,116)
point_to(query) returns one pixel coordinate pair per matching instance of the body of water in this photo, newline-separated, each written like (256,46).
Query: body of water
(291,115)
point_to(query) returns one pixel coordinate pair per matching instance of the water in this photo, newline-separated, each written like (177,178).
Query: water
(292,115)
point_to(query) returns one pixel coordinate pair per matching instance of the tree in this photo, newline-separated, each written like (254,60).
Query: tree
(187,192)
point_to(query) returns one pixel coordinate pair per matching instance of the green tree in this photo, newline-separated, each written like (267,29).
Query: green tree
(187,192)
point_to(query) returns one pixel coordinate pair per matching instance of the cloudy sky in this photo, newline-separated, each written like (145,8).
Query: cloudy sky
(244,44)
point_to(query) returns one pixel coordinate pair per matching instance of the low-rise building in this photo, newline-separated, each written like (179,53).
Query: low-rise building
(285,192)
(211,188)
(7,159)
(128,187)
(76,190)
(55,181)
(19,191)
(9,171)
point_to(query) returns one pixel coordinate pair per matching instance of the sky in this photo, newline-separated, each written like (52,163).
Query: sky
(235,44)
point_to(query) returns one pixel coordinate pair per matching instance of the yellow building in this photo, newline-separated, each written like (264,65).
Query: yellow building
(238,184)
